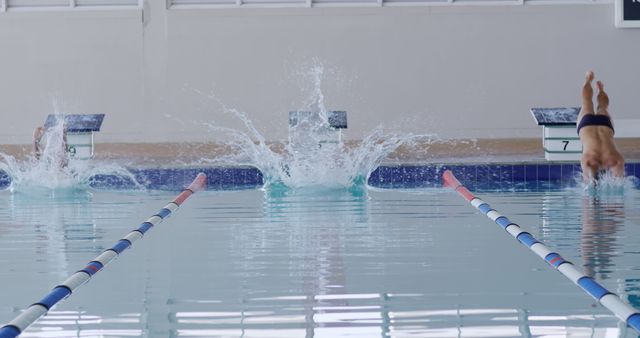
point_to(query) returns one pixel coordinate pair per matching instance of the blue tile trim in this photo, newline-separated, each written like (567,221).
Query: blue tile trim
(629,169)
(555,172)
(569,171)
(531,173)
(483,177)
(5,180)
(519,174)
(218,178)
(543,172)
(474,176)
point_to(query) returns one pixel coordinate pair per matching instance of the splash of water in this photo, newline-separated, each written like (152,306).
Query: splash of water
(315,155)
(609,184)
(52,171)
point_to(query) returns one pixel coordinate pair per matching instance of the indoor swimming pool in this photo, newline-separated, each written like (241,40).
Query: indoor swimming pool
(319,169)
(362,262)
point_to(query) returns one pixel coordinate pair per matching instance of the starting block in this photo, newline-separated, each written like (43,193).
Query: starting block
(559,137)
(80,129)
(325,132)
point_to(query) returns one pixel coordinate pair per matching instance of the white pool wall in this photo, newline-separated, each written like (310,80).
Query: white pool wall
(455,70)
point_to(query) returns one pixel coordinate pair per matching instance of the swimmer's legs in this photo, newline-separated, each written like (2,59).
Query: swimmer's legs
(603,99)
(587,97)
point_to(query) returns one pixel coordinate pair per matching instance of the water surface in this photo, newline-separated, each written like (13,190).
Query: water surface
(320,263)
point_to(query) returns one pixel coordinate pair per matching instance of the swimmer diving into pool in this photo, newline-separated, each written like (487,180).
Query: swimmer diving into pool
(38,133)
(59,155)
(599,152)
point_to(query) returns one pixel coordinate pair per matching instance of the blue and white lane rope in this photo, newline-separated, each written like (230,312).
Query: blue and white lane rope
(15,327)
(611,301)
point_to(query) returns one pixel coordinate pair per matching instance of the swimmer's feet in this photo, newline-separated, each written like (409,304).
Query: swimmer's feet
(603,98)
(587,93)
(590,76)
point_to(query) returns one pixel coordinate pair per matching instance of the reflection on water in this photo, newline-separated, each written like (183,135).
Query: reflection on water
(282,203)
(56,229)
(596,219)
(591,220)
(347,321)
(322,246)
(332,263)
(601,218)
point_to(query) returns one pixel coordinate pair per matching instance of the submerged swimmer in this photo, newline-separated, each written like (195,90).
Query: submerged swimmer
(595,129)
(37,142)
(59,155)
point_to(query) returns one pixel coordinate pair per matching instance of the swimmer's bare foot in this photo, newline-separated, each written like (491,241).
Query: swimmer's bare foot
(603,98)
(587,95)
(590,76)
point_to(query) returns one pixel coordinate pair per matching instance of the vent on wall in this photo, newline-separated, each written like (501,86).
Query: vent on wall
(36,3)
(194,4)
(66,4)
(106,2)
(296,3)
(201,2)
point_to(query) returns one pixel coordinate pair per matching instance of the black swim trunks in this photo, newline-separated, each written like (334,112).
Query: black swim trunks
(595,120)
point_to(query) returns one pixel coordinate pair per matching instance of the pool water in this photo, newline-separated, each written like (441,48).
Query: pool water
(320,263)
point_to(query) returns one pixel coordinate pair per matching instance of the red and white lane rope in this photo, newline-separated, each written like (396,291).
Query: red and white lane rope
(611,301)
(15,327)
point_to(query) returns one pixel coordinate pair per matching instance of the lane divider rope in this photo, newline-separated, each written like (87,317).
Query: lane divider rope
(609,300)
(15,327)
